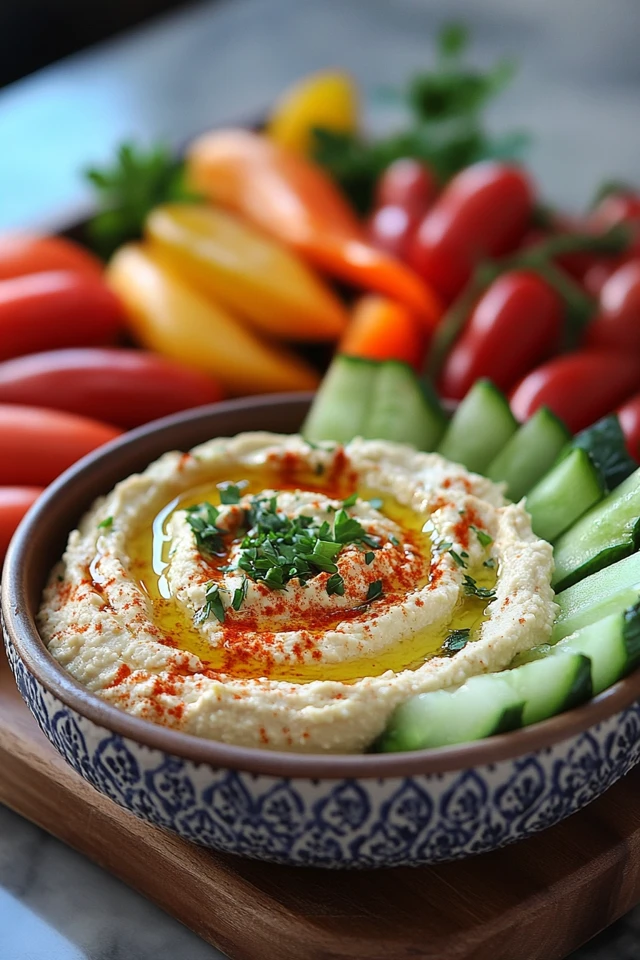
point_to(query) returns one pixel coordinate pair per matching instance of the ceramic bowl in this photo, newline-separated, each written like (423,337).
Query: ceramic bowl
(326,811)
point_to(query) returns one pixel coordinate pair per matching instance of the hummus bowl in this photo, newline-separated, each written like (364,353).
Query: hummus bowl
(326,810)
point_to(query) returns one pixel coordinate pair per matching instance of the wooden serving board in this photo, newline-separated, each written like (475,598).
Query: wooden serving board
(537,900)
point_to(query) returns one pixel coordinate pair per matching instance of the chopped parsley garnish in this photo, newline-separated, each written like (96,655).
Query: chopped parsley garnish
(240,594)
(394,541)
(335,584)
(472,589)
(202,519)
(374,591)
(106,524)
(445,546)
(350,501)
(483,536)
(276,548)
(458,558)
(456,640)
(231,492)
(213,605)
(490,563)
(368,557)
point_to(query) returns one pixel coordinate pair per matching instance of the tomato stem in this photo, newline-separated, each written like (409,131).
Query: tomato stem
(580,308)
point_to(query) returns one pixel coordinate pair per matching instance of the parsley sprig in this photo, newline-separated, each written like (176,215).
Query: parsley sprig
(446,124)
(213,605)
(472,589)
(127,191)
(276,548)
(456,640)
(202,518)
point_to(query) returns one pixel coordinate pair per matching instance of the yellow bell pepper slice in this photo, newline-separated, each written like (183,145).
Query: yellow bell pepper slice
(168,316)
(244,270)
(327,99)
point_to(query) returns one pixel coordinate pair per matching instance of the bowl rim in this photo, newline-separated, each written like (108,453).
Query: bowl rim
(22,631)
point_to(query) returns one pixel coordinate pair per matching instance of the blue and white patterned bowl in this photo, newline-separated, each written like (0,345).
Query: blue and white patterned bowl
(338,811)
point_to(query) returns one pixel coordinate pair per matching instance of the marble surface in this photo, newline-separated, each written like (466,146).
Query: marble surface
(578,92)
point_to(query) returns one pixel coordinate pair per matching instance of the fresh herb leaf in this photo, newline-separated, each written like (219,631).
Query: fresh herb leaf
(445,546)
(482,535)
(446,128)
(213,605)
(490,563)
(202,519)
(472,589)
(369,556)
(456,640)
(240,594)
(128,190)
(394,541)
(106,524)
(335,584)
(458,559)
(230,493)
(350,501)
(375,590)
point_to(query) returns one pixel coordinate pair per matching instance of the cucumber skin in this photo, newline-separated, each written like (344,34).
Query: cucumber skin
(519,463)
(548,516)
(568,570)
(452,448)
(611,590)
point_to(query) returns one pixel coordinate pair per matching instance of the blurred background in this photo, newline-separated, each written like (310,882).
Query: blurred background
(160,68)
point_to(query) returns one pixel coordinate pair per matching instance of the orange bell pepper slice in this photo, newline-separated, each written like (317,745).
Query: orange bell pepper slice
(293,199)
(383,329)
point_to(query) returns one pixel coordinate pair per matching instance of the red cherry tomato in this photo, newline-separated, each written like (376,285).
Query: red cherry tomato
(617,324)
(579,387)
(22,253)
(407,183)
(38,444)
(14,503)
(125,387)
(629,416)
(59,308)
(515,324)
(391,230)
(483,212)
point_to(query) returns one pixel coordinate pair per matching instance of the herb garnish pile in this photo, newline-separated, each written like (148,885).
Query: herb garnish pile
(276,549)
(446,126)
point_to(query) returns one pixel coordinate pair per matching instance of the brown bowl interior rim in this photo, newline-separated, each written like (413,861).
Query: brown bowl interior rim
(21,627)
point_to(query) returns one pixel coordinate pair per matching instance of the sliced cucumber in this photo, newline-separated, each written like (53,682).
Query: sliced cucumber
(404,409)
(552,679)
(608,591)
(563,495)
(479,708)
(378,400)
(549,686)
(479,428)
(489,704)
(612,645)
(608,532)
(605,444)
(343,401)
(529,453)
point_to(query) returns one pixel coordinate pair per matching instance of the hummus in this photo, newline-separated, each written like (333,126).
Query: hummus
(264,592)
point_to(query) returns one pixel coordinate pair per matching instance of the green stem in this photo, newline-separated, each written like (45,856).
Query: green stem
(539,258)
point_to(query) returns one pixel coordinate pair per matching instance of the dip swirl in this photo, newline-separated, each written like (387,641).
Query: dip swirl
(264,592)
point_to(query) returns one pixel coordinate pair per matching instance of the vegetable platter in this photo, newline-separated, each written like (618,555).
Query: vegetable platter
(241,268)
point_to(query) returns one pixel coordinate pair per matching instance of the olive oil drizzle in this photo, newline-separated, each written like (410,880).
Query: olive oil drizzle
(149,550)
